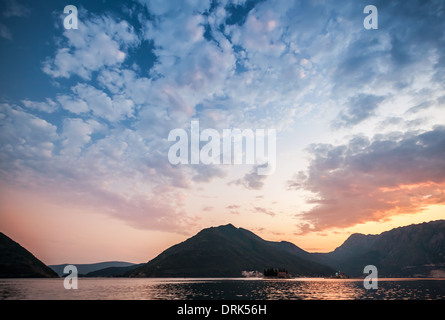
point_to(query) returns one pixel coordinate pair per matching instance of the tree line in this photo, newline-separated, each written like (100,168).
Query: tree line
(273,272)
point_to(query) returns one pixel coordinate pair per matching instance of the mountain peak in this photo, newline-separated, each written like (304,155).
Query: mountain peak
(355,241)
(226,251)
(227,226)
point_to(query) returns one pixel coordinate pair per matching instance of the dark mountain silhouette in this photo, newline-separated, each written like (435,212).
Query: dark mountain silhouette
(415,250)
(86,268)
(225,251)
(17,262)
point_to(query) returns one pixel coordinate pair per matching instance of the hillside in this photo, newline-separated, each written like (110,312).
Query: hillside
(415,250)
(226,251)
(17,262)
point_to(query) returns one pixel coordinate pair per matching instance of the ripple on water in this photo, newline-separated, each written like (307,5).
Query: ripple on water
(219,289)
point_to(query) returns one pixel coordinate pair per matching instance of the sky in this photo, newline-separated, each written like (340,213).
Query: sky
(85,116)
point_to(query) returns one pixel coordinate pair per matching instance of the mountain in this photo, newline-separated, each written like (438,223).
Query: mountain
(415,250)
(226,251)
(113,271)
(84,269)
(17,262)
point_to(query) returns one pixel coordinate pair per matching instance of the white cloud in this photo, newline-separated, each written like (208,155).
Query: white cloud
(128,83)
(261,34)
(161,7)
(98,42)
(76,134)
(49,106)
(189,68)
(73,105)
(25,140)
(113,109)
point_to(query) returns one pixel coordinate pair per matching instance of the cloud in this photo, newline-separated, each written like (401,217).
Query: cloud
(112,109)
(24,139)
(117,174)
(370,180)
(160,211)
(263,71)
(264,210)
(251,180)
(231,64)
(421,106)
(393,57)
(189,68)
(160,7)
(233,209)
(49,106)
(73,105)
(359,108)
(77,133)
(13,8)
(126,82)
(5,32)
(98,42)
(205,173)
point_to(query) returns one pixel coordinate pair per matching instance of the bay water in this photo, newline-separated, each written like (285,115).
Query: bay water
(223,289)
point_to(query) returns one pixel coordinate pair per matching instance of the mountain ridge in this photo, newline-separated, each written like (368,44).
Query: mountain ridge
(226,251)
(86,268)
(17,262)
(413,250)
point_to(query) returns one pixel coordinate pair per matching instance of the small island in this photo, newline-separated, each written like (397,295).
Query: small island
(273,273)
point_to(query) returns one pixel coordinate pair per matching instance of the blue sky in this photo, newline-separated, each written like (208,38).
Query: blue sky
(85,115)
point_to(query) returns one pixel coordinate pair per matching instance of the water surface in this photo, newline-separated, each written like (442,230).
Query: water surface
(222,289)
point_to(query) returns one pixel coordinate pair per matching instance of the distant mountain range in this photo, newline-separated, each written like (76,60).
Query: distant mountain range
(17,262)
(86,269)
(113,271)
(225,251)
